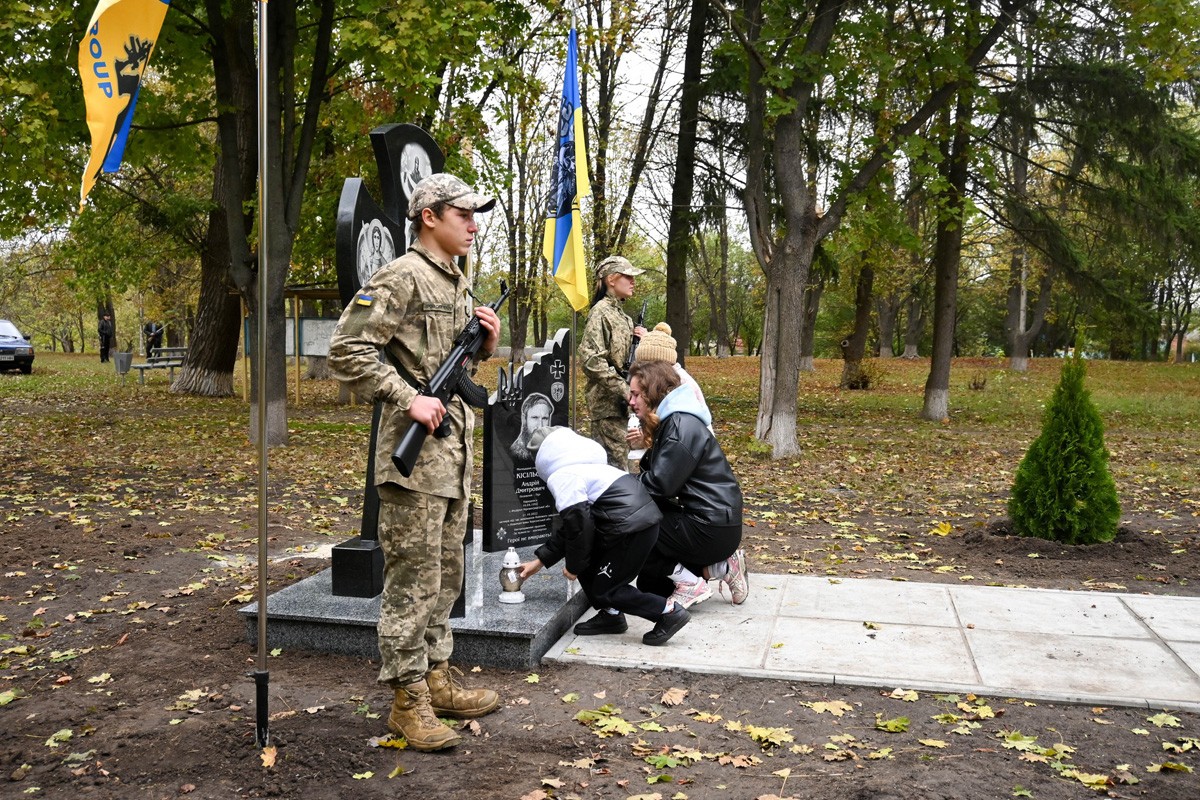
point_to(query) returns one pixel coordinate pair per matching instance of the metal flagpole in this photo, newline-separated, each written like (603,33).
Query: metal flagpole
(574,368)
(262,677)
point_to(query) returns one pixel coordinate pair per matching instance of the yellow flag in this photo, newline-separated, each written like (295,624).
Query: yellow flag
(112,59)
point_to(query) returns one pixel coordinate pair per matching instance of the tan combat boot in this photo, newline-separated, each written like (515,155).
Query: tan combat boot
(449,699)
(413,718)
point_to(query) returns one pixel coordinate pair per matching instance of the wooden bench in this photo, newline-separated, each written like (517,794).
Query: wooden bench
(167,358)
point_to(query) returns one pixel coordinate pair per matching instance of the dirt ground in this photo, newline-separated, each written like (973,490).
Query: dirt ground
(127,666)
(124,664)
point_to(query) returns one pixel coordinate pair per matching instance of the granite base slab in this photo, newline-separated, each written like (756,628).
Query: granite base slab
(308,616)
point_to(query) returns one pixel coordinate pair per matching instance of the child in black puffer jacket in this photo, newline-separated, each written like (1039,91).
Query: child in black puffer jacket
(606,526)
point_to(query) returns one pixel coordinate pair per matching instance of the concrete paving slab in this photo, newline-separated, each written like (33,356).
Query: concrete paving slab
(1172,618)
(307,615)
(893,654)
(1081,647)
(1189,654)
(869,601)
(1045,611)
(1082,668)
(737,642)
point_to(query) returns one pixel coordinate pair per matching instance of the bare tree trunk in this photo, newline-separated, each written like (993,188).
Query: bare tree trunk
(682,217)
(1018,343)
(887,310)
(526,267)
(808,323)
(854,347)
(225,259)
(914,324)
(612,211)
(724,343)
(766,367)
(1023,326)
(212,351)
(946,258)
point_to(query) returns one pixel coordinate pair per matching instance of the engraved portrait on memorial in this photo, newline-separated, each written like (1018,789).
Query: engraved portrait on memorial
(375,248)
(536,411)
(415,164)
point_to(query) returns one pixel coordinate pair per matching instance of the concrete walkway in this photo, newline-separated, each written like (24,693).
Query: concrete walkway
(1078,647)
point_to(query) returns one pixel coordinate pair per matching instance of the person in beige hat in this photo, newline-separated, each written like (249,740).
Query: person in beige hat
(659,345)
(605,343)
(688,475)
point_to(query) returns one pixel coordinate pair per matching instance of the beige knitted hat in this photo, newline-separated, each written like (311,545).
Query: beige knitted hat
(657,345)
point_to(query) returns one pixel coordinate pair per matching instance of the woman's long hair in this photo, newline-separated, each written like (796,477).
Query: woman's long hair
(656,379)
(600,291)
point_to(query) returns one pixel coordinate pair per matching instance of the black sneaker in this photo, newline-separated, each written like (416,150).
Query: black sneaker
(603,622)
(667,626)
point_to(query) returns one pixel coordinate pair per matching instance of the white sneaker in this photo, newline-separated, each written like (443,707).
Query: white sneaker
(737,578)
(689,594)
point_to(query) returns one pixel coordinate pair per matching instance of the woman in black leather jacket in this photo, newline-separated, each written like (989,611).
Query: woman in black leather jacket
(690,479)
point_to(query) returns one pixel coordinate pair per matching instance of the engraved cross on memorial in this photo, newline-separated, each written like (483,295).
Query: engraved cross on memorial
(370,235)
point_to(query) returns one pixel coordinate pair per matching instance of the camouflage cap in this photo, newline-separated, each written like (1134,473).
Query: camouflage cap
(442,187)
(616,264)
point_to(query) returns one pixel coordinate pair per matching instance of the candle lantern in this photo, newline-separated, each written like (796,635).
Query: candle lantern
(510,578)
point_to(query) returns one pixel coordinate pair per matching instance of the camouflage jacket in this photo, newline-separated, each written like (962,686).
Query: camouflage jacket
(413,307)
(606,340)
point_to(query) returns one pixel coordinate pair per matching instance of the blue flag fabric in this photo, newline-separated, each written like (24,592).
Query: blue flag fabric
(562,245)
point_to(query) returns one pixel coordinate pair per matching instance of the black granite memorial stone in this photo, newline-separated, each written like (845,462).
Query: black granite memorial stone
(370,235)
(517,506)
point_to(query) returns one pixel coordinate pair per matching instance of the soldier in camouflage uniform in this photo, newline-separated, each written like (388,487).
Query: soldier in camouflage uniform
(412,309)
(606,339)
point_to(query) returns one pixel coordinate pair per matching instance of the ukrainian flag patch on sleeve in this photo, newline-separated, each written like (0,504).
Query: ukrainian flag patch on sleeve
(363,299)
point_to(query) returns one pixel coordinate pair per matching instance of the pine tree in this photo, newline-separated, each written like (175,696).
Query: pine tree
(1063,490)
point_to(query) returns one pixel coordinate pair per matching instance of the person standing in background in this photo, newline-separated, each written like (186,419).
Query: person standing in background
(153,332)
(105,329)
(605,343)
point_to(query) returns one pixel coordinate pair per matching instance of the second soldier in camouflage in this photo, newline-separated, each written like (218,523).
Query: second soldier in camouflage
(606,340)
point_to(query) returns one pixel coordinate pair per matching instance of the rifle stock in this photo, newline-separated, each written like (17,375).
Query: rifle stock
(444,383)
(633,345)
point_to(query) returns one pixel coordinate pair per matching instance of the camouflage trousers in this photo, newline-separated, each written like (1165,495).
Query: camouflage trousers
(610,433)
(422,540)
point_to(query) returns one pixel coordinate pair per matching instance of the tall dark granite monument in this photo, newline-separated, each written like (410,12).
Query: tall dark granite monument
(368,236)
(517,506)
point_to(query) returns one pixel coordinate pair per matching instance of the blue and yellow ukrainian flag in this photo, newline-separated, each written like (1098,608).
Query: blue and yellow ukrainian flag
(112,59)
(563,242)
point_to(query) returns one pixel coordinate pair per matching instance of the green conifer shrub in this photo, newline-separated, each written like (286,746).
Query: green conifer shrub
(1063,490)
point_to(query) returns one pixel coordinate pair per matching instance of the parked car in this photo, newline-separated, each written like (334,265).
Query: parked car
(15,350)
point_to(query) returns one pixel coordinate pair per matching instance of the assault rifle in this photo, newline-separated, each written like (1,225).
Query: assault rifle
(634,344)
(451,378)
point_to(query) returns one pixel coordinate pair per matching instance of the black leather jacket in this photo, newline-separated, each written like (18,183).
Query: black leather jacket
(685,470)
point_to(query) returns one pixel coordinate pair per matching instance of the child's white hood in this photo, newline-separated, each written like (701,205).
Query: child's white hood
(575,468)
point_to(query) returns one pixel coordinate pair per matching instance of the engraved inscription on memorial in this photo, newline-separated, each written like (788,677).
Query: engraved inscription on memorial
(517,506)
